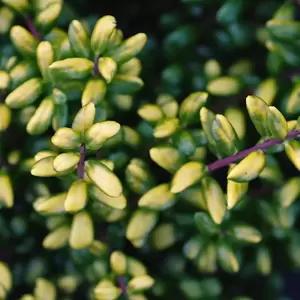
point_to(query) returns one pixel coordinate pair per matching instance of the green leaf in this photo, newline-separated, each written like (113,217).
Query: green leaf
(190,107)
(227,259)
(284,30)
(184,142)
(205,224)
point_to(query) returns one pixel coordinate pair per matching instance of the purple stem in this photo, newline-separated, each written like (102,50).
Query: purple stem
(32,29)
(96,69)
(264,145)
(122,284)
(80,167)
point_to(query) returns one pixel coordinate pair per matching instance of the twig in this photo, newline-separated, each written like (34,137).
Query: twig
(80,167)
(264,145)
(32,29)
(122,285)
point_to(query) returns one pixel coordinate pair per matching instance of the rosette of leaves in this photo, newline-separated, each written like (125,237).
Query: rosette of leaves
(69,64)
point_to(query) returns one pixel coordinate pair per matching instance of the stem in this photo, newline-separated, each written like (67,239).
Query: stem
(96,69)
(122,285)
(32,29)
(80,167)
(264,145)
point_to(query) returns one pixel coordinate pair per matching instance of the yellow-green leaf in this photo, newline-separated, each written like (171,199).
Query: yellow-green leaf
(158,198)
(82,231)
(248,168)
(186,176)
(103,178)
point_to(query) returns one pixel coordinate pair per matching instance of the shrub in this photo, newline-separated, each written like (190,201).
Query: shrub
(184,189)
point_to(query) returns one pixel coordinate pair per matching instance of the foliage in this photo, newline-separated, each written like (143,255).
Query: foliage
(109,193)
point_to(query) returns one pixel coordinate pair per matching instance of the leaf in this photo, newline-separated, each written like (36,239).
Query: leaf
(84,119)
(95,91)
(45,57)
(264,261)
(107,68)
(140,224)
(100,133)
(245,233)
(44,287)
(140,283)
(66,162)
(66,138)
(167,157)
(129,48)
(72,68)
(277,123)
(227,258)
(51,205)
(103,178)
(224,86)
(25,94)
(77,196)
(158,198)
(267,90)
(166,128)
(57,238)
(215,199)
(205,224)
(42,117)
(23,41)
(119,202)
(79,39)
(150,113)
(101,34)
(190,107)
(187,175)
(289,192)
(224,135)
(6,191)
(163,236)
(82,231)
(258,112)
(168,105)
(292,149)
(248,168)
(5,117)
